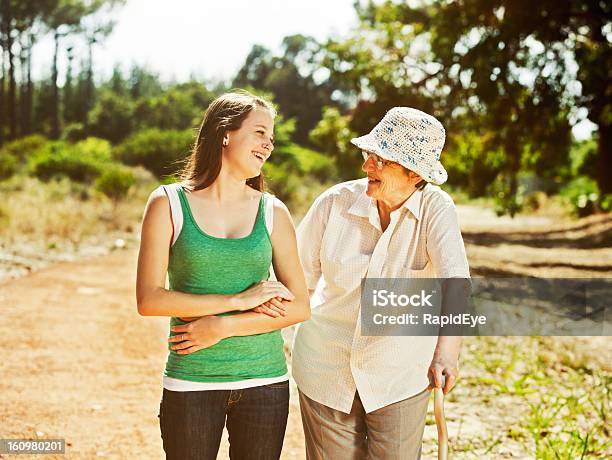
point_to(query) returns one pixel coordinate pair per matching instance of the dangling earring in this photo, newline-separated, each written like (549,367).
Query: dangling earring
(225,142)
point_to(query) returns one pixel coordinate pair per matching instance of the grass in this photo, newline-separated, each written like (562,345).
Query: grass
(62,211)
(552,407)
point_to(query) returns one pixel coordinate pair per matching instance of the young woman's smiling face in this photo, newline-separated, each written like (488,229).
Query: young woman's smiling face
(250,146)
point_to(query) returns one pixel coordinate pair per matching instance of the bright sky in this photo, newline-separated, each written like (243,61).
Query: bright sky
(206,38)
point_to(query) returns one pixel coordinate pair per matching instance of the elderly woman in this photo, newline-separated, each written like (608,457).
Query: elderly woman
(360,396)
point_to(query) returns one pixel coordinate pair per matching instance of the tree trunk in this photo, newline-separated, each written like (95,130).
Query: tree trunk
(30,88)
(513,155)
(55,129)
(2,83)
(604,155)
(89,90)
(3,40)
(12,90)
(23,84)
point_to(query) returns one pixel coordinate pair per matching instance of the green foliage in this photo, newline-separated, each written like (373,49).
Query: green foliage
(583,194)
(94,147)
(557,387)
(300,168)
(290,78)
(481,67)
(498,79)
(470,164)
(179,107)
(605,203)
(142,83)
(282,181)
(161,152)
(78,95)
(24,147)
(111,117)
(292,167)
(332,135)
(314,164)
(115,182)
(43,108)
(82,162)
(583,158)
(507,200)
(74,132)
(57,159)
(8,165)
(295,167)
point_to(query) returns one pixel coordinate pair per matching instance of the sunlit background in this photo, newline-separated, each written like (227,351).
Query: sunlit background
(99,101)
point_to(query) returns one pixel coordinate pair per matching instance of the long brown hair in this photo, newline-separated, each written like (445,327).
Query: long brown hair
(225,113)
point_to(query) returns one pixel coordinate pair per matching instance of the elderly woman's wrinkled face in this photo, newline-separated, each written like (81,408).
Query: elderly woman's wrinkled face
(386,179)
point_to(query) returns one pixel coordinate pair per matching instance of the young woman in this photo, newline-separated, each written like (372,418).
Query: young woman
(216,234)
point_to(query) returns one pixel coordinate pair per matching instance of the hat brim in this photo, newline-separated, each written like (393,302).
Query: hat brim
(437,175)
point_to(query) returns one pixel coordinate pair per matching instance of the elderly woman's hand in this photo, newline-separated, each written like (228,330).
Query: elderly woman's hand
(273,307)
(443,364)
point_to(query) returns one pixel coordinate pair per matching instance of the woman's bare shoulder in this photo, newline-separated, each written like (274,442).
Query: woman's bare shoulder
(281,212)
(158,205)
(157,196)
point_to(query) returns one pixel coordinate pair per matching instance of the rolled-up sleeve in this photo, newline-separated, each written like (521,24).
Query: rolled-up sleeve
(310,235)
(444,241)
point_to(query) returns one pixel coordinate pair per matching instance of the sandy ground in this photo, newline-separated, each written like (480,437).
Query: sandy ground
(79,363)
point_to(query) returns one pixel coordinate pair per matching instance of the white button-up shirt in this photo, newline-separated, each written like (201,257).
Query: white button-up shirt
(340,242)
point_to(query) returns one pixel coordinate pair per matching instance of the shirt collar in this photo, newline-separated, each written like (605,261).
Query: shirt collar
(363,205)
(413,203)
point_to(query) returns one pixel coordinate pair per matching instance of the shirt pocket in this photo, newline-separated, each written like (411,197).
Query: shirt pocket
(345,272)
(414,270)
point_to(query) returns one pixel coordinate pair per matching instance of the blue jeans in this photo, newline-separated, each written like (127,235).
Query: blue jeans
(192,422)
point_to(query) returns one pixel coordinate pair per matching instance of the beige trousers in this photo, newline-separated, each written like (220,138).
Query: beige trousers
(393,432)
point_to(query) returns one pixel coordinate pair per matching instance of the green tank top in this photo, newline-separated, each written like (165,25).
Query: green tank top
(203,264)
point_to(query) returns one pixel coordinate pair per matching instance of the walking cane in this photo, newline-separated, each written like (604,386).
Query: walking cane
(440,421)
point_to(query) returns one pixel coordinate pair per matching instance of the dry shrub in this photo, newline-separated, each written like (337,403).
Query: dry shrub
(63,210)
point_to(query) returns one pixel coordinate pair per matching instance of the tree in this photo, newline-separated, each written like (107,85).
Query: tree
(42,119)
(590,37)
(256,66)
(161,152)
(333,135)
(115,182)
(95,31)
(7,12)
(143,83)
(178,107)
(63,19)
(490,67)
(290,79)
(111,118)
(76,94)
(517,62)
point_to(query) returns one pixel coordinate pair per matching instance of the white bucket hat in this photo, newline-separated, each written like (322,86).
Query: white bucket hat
(411,138)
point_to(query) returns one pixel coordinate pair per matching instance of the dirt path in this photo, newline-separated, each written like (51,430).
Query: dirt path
(79,363)
(536,246)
